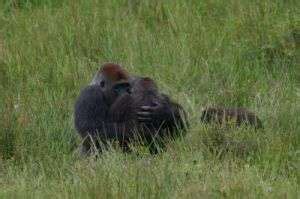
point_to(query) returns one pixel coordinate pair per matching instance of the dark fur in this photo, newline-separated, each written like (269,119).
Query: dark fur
(92,121)
(108,114)
(237,116)
(163,119)
(92,107)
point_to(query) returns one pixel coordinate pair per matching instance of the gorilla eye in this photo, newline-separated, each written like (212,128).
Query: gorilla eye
(102,84)
(128,90)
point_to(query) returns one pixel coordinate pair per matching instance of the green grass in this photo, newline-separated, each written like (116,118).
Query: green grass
(232,53)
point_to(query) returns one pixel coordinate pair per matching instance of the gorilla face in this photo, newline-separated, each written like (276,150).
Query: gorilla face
(122,87)
(112,77)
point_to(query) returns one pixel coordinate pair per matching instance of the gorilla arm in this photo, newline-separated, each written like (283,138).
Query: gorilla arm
(168,112)
(92,116)
(93,121)
(90,111)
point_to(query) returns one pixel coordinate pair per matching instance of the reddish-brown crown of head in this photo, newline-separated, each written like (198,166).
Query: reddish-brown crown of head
(147,82)
(114,71)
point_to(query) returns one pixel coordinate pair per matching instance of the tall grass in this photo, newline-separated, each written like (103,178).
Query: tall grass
(232,53)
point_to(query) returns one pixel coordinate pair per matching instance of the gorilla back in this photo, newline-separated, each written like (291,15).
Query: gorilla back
(90,111)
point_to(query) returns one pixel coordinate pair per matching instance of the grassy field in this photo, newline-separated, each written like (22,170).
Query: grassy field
(210,52)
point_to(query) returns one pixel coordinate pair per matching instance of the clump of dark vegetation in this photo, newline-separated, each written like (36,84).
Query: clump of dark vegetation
(230,116)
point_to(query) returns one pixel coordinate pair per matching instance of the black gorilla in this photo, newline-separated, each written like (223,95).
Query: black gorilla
(116,106)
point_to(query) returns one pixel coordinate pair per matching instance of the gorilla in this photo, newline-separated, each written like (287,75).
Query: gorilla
(93,104)
(155,116)
(117,106)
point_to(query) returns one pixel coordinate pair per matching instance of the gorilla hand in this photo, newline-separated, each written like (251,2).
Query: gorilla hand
(153,113)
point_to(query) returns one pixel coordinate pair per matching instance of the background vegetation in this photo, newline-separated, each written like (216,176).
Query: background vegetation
(232,53)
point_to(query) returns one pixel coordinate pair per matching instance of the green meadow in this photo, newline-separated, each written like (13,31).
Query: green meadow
(201,53)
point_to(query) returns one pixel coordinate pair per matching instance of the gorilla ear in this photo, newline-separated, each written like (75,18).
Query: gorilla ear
(98,79)
(122,87)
